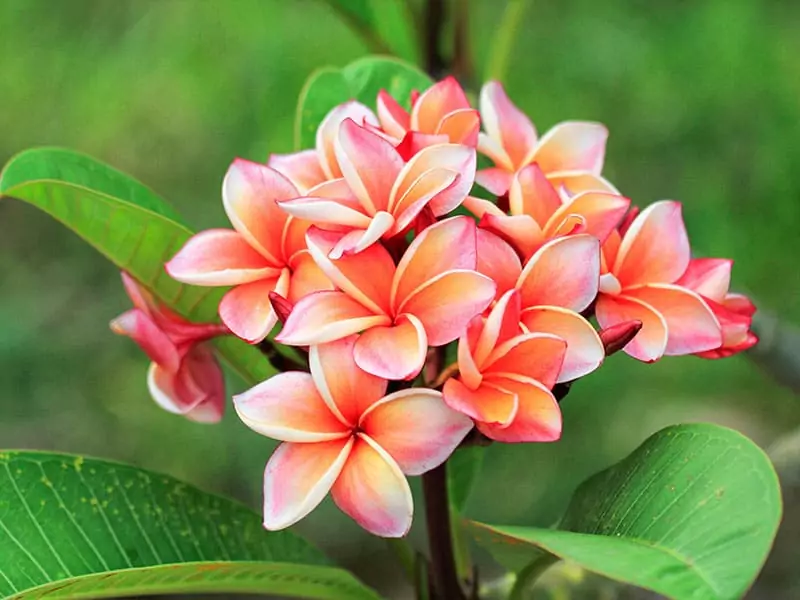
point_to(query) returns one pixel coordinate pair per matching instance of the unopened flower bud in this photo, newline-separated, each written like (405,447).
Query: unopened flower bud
(616,337)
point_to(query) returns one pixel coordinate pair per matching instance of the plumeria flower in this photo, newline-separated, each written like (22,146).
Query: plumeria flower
(538,212)
(426,300)
(506,376)
(711,278)
(265,252)
(642,282)
(184,377)
(342,435)
(556,284)
(308,168)
(441,114)
(568,153)
(387,193)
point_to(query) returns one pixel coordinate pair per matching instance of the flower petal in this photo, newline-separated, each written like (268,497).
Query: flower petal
(141,298)
(393,351)
(495,180)
(575,182)
(655,248)
(393,118)
(468,370)
(301,168)
(486,404)
(448,302)
(373,491)
(461,127)
(201,381)
(416,428)
(326,316)
(480,207)
(419,194)
(250,193)
(326,212)
(247,311)
(497,260)
(691,325)
(538,356)
(531,193)
(709,277)
(565,272)
(288,407)
(359,240)
(538,415)
(500,326)
(307,277)
(328,131)
(137,325)
(585,351)
(435,103)
(601,211)
(298,477)
(506,124)
(521,231)
(369,163)
(447,245)
(572,146)
(650,343)
(366,276)
(219,257)
(346,389)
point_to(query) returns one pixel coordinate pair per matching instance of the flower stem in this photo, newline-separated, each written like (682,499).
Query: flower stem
(440,538)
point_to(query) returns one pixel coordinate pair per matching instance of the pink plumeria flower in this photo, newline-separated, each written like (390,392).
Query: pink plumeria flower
(342,435)
(383,194)
(554,285)
(308,168)
(265,252)
(642,282)
(538,212)
(711,278)
(184,377)
(427,299)
(569,152)
(506,375)
(441,114)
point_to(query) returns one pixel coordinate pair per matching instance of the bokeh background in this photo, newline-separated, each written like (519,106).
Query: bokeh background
(702,100)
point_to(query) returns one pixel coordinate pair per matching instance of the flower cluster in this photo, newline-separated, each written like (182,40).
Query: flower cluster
(362,247)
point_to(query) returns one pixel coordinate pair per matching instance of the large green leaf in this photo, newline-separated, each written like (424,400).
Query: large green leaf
(126,222)
(87,528)
(360,80)
(690,514)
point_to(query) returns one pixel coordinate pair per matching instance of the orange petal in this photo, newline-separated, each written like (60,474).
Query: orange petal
(326,211)
(447,245)
(344,386)
(709,277)
(307,277)
(369,163)
(575,182)
(506,123)
(480,207)
(468,370)
(486,404)
(498,261)
(393,118)
(294,238)
(373,491)
(219,257)
(326,316)
(247,311)
(531,193)
(655,248)
(565,272)
(601,212)
(651,341)
(328,131)
(495,180)
(461,127)
(359,240)
(585,351)
(521,231)
(419,194)
(691,325)
(500,326)
(366,276)
(416,428)
(435,103)
(301,168)
(393,351)
(298,477)
(250,193)
(572,146)
(288,407)
(538,415)
(538,356)
(448,302)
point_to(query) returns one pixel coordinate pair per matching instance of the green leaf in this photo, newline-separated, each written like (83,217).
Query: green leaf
(86,528)
(360,80)
(127,223)
(463,469)
(690,514)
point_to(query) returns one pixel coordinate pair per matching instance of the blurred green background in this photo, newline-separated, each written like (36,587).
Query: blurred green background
(703,103)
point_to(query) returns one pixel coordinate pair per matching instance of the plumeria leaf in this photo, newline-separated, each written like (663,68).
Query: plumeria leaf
(691,514)
(360,80)
(129,224)
(73,527)
(462,471)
